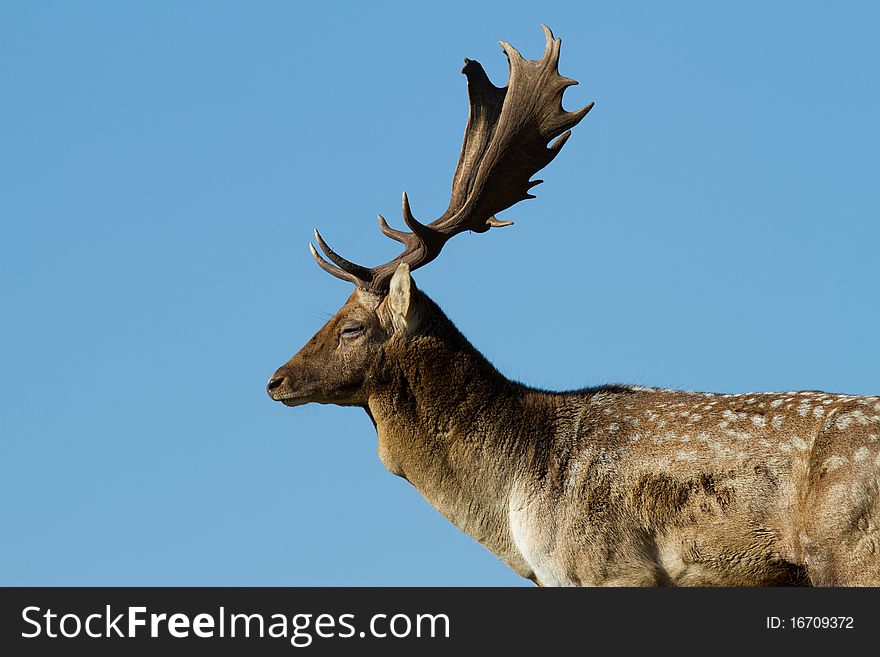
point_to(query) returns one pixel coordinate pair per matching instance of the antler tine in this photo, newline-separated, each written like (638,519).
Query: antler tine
(552,46)
(388,231)
(512,53)
(427,237)
(362,274)
(334,271)
(506,141)
(416,226)
(493,222)
(573,118)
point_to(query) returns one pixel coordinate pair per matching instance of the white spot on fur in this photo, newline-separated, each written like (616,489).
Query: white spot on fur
(803,408)
(776,403)
(686,456)
(777,421)
(798,443)
(838,496)
(758,420)
(819,411)
(860,455)
(843,421)
(832,463)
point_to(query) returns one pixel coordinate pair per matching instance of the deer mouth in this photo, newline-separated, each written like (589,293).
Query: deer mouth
(289,399)
(293,401)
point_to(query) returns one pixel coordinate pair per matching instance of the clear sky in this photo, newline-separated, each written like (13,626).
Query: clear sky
(711,225)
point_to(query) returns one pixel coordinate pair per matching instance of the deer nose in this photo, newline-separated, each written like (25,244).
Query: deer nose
(274,383)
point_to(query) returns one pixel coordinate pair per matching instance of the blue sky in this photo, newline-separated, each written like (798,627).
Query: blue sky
(711,225)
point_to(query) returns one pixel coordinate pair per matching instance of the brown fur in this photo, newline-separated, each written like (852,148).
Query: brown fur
(608,486)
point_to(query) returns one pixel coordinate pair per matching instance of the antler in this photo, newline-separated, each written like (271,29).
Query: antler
(505,144)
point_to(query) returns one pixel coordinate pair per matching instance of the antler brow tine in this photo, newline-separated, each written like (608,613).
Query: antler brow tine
(330,269)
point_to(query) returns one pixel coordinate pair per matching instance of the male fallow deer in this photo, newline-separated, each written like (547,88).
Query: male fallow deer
(615,485)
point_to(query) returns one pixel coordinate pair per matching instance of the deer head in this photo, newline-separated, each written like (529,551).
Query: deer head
(505,143)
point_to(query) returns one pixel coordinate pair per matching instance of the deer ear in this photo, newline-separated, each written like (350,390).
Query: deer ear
(400,296)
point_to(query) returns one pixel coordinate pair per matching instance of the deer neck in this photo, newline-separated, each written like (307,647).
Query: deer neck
(445,424)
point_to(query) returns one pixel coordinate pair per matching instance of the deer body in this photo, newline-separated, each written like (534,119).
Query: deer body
(616,485)
(656,487)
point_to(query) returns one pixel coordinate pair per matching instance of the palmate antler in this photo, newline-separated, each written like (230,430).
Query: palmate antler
(505,144)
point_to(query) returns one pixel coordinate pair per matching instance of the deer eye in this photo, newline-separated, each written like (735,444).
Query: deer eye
(351,330)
